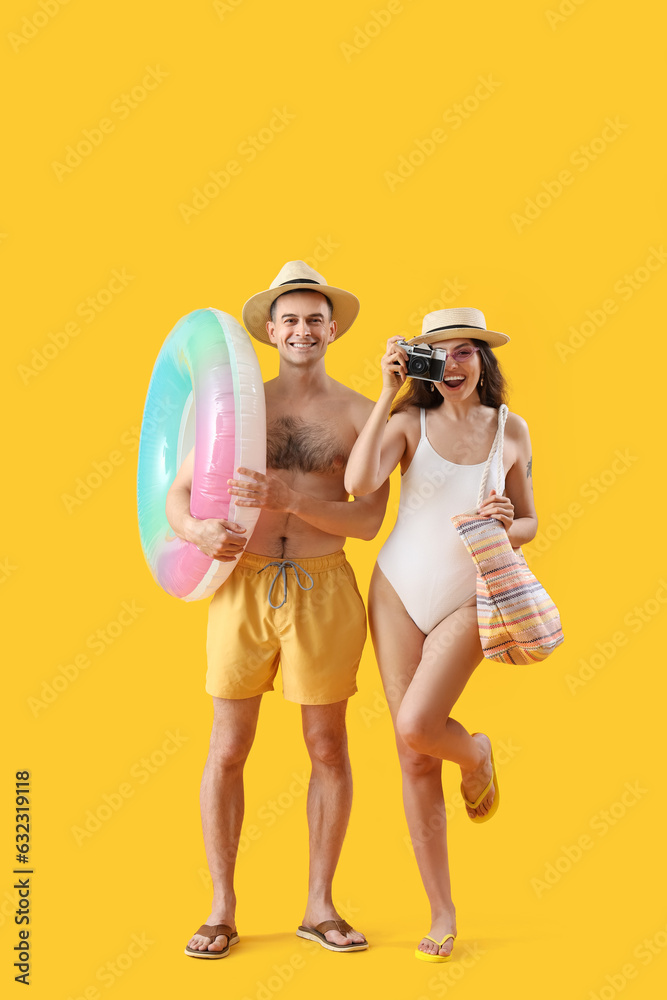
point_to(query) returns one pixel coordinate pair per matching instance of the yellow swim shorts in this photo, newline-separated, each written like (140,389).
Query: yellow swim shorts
(317,633)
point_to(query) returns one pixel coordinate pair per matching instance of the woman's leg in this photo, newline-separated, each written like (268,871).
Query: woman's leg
(398,647)
(451,653)
(423,678)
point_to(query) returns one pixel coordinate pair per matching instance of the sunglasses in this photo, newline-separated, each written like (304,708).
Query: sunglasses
(462,354)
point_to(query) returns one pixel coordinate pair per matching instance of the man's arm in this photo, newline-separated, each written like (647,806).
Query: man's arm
(222,540)
(358,518)
(361,517)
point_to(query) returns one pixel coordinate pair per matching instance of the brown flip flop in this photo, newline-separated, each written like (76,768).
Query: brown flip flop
(317,934)
(213,931)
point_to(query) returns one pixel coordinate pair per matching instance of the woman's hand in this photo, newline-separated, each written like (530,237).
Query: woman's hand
(499,507)
(394,365)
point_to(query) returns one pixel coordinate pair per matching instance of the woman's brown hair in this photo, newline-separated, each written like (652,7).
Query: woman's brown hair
(417,392)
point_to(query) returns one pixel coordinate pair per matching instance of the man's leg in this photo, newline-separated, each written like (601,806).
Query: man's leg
(234,725)
(329,804)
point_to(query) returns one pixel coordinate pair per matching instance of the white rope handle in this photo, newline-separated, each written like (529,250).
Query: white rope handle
(497,448)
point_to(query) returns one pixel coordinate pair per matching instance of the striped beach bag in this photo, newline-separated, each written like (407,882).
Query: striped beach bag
(518,621)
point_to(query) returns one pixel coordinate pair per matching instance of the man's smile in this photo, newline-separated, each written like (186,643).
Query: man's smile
(301,344)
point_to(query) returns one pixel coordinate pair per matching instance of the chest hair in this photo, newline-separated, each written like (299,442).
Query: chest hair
(295,444)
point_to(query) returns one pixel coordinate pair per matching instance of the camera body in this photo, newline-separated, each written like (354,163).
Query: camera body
(425,362)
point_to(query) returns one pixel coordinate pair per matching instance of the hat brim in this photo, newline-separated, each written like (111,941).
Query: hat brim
(490,337)
(257,310)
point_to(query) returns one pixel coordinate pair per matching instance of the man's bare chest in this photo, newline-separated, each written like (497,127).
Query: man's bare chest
(297,444)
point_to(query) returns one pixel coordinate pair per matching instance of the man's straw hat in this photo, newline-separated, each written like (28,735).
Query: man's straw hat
(296,276)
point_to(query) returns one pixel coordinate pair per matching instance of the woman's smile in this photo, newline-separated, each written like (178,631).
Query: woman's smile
(453,382)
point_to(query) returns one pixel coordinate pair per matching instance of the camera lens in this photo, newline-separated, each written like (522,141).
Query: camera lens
(418,366)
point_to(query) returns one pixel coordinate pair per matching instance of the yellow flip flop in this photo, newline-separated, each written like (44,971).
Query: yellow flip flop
(480,798)
(423,956)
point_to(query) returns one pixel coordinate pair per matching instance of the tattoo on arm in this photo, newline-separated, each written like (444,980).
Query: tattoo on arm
(529,468)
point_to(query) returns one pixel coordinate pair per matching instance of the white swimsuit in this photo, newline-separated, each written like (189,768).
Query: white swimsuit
(423,558)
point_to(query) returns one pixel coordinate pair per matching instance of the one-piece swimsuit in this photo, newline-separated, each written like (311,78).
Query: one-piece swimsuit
(423,558)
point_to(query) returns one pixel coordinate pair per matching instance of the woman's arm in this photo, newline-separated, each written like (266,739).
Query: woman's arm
(516,510)
(380,445)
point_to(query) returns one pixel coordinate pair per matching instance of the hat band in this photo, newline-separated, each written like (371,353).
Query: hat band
(457,326)
(299,281)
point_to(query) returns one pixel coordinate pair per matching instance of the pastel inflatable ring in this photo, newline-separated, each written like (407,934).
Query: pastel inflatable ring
(205,392)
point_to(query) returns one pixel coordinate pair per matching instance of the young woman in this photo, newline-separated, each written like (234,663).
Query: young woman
(422,606)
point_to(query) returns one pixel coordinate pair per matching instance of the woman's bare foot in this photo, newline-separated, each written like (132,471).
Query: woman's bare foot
(474,782)
(441,926)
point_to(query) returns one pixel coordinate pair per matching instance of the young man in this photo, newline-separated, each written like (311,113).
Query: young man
(291,598)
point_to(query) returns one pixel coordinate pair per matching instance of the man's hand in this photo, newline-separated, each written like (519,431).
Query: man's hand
(266,491)
(221,540)
(499,507)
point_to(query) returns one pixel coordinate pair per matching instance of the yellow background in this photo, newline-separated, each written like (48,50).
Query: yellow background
(578,730)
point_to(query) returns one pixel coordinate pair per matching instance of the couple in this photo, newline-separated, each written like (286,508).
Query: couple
(292,597)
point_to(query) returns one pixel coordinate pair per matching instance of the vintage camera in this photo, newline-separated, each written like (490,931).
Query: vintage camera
(425,362)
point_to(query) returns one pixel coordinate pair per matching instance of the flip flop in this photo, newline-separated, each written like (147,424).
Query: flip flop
(425,957)
(213,931)
(480,798)
(317,934)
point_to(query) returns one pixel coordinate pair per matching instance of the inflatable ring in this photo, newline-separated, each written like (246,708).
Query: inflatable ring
(205,392)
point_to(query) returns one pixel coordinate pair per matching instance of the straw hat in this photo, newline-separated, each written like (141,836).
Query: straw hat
(447,323)
(296,276)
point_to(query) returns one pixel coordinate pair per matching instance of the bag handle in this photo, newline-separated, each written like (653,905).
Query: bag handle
(497,448)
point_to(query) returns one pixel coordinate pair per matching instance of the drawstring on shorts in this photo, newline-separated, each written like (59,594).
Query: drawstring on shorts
(282,573)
